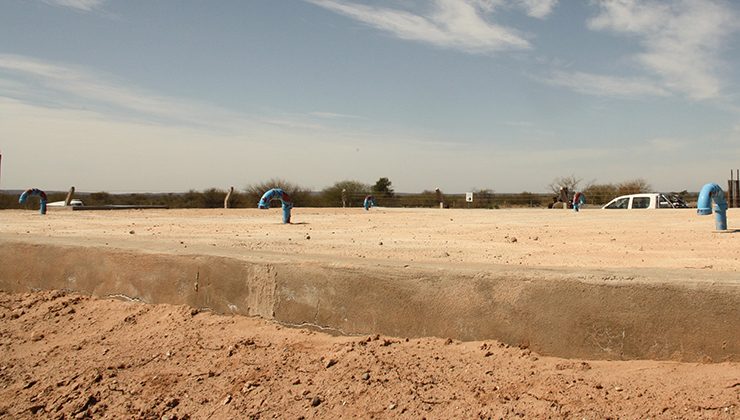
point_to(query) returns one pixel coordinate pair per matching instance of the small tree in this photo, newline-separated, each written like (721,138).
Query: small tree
(383,187)
(529,199)
(634,186)
(300,195)
(354,192)
(600,193)
(213,198)
(483,198)
(99,199)
(569,182)
(429,198)
(193,200)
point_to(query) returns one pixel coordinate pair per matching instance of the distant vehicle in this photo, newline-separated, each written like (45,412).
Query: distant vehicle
(647,201)
(73,203)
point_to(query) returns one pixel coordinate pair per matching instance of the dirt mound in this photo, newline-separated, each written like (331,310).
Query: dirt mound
(71,356)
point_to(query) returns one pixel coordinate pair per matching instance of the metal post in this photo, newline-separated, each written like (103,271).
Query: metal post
(730,193)
(733,189)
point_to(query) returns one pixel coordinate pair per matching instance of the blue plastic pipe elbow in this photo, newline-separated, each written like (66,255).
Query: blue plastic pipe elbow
(369,202)
(578,200)
(277,193)
(31,192)
(708,193)
(286,211)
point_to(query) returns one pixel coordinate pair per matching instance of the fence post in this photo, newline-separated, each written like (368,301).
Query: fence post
(736,196)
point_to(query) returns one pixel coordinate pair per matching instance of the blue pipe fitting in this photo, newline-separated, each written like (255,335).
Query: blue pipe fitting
(579,199)
(31,192)
(278,194)
(286,211)
(713,192)
(369,202)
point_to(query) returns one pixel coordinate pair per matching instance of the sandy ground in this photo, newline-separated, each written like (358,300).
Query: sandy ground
(592,238)
(69,356)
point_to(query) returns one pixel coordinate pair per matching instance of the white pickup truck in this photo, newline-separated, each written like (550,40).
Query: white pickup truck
(647,201)
(72,203)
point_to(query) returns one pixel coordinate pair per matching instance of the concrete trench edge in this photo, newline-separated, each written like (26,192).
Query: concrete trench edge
(555,316)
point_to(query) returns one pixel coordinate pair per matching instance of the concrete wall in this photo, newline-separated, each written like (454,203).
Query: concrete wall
(551,314)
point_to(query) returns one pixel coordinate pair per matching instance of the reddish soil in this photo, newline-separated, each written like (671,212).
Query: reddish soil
(72,356)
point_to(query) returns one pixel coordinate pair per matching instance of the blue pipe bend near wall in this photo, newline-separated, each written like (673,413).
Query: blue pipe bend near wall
(31,192)
(708,193)
(277,194)
(369,202)
(579,199)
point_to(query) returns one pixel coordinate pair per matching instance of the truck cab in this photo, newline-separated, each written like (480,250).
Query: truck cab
(647,201)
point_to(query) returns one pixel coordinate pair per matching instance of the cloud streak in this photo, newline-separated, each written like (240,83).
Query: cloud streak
(79,87)
(50,85)
(453,24)
(231,147)
(682,40)
(603,85)
(537,8)
(81,5)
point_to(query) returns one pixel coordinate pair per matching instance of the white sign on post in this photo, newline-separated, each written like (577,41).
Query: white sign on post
(469,197)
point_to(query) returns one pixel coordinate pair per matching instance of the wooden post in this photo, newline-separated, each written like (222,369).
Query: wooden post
(228,196)
(737,188)
(730,191)
(70,194)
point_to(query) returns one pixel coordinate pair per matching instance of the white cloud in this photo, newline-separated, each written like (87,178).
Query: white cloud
(601,85)
(332,115)
(38,82)
(454,24)
(44,83)
(682,40)
(82,5)
(29,80)
(537,8)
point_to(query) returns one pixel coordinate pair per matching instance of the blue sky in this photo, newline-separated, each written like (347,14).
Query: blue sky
(120,96)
